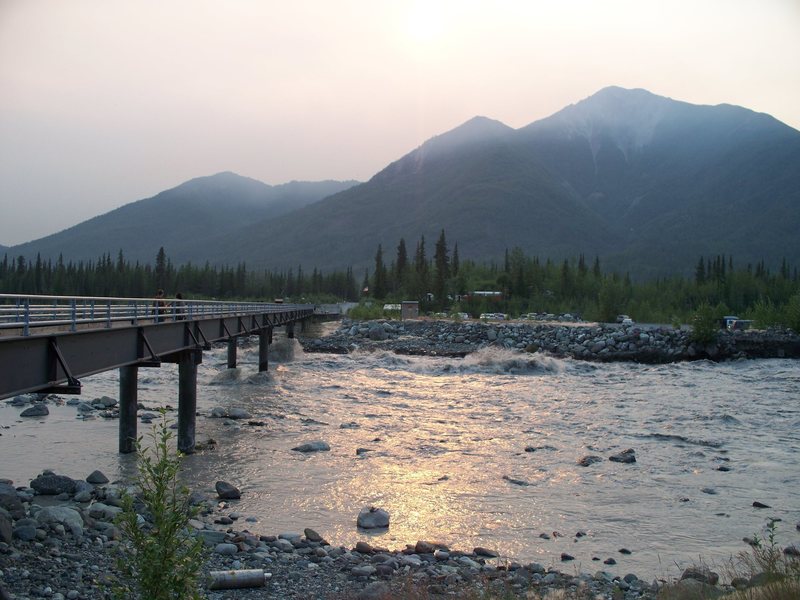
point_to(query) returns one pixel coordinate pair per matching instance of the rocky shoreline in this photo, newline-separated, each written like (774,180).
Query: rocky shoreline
(58,540)
(590,342)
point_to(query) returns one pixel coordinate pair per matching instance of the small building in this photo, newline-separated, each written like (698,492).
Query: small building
(409,310)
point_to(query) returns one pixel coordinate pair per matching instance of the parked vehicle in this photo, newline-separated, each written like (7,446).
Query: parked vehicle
(621,318)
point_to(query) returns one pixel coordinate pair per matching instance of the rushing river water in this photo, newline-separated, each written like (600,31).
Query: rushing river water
(446,442)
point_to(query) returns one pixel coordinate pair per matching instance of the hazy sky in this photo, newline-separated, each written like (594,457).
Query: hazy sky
(103,102)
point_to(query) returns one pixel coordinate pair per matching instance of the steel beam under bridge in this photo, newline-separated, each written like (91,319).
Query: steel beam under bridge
(43,362)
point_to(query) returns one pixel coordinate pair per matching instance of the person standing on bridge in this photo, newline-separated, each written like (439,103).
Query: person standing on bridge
(178,307)
(159,305)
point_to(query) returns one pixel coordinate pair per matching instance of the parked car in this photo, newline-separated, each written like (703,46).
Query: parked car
(621,318)
(627,321)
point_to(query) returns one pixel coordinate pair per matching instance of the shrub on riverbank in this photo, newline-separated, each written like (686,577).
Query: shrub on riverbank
(160,559)
(766,572)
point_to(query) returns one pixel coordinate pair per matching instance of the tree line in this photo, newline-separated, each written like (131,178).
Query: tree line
(440,281)
(582,287)
(121,278)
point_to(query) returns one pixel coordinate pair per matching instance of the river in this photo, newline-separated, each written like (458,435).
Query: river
(480,451)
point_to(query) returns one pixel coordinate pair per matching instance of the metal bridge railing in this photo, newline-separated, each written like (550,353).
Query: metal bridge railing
(30,312)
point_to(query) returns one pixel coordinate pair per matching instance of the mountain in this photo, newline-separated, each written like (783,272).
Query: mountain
(185,220)
(647,183)
(677,180)
(476,181)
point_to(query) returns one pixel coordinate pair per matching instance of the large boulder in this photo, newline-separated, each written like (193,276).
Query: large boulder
(227,491)
(37,410)
(69,517)
(50,484)
(701,573)
(377,332)
(373,518)
(9,500)
(97,477)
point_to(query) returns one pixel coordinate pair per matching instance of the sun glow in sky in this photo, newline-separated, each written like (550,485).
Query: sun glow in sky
(425,23)
(104,103)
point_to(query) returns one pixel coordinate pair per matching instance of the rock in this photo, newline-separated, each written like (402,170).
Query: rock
(701,573)
(624,551)
(284,545)
(226,549)
(104,402)
(480,551)
(609,561)
(26,533)
(211,537)
(20,400)
(377,332)
(566,557)
(758,504)
(50,484)
(226,491)
(9,500)
(792,549)
(363,571)
(519,482)
(97,477)
(104,512)
(219,412)
(373,518)
(363,548)
(423,547)
(6,530)
(626,456)
(589,460)
(37,410)
(316,446)
(311,535)
(69,517)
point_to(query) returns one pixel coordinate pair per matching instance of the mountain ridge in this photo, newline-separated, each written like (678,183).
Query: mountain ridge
(645,182)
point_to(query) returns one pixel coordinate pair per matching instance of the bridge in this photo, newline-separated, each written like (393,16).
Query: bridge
(49,343)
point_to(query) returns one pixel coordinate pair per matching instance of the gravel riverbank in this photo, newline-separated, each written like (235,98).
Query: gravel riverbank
(58,540)
(592,342)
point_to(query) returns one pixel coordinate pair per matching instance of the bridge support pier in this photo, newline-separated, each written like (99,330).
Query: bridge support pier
(232,353)
(264,340)
(187,398)
(290,330)
(128,405)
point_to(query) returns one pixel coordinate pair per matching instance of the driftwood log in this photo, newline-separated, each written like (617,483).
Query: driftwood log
(245,578)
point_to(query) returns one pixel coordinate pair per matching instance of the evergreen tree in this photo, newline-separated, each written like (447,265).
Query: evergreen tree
(700,272)
(442,263)
(161,269)
(379,280)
